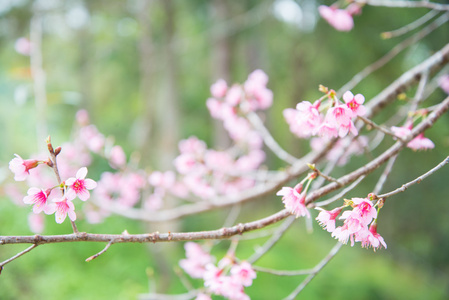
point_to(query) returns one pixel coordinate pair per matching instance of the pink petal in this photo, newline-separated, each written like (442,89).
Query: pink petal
(84,195)
(90,184)
(70,181)
(81,174)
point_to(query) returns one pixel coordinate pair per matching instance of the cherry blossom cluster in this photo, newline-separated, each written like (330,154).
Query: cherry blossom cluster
(340,19)
(228,278)
(42,200)
(327,117)
(360,223)
(230,104)
(420,142)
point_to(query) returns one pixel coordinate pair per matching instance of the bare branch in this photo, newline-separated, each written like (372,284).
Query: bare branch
(417,180)
(315,271)
(17,256)
(101,252)
(155,237)
(356,79)
(269,140)
(406,4)
(272,241)
(409,27)
(385,174)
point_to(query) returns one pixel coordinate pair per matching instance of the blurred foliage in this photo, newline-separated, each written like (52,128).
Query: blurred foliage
(93,60)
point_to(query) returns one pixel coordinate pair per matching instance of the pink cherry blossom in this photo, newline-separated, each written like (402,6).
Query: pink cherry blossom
(21,168)
(420,142)
(82,117)
(355,103)
(219,88)
(258,76)
(79,186)
(202,296)
(213,278)
(293,200)
(363,210)
(162,179)
(64,207)
(117,157)
(443,81)
(327,130)
(327,218)
(338,18)
(192,145)
(92,138)
(339,117)
(38,198)
(196,260)
(244,273)
(372,238)
(215,108)
(234,95)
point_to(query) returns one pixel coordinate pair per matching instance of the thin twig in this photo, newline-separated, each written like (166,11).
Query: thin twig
(272,241)
(327,177)
(409,27)
(417,180)
(283,272)
(339,195)
(378,127)
(383,178)
(269,140)
(101,252)
(356,79)
(17,255)
(315,271)
(407,4)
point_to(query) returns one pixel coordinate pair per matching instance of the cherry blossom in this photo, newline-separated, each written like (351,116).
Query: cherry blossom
(219,88)
(196,261)
(79,186)
(340,19)
(420,142)
(38,198)
(371,238)
(244,272)
(64,207)
(327,218)
(202,296)
(355,103)
(117,157)
(21,168)
(293,200)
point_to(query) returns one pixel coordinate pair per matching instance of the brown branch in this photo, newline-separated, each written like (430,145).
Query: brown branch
(101,252)
(406,4)
(17,256)
(155,237)
(417,180)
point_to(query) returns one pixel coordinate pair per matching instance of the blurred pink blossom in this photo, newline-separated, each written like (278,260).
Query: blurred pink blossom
(219,88)
(36,223)
(443,81)
(340,19)
(196,260)
(23,46)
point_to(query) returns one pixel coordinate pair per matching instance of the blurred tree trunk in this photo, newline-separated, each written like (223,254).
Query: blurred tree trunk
(160,127)
(221,61)
(146,64)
